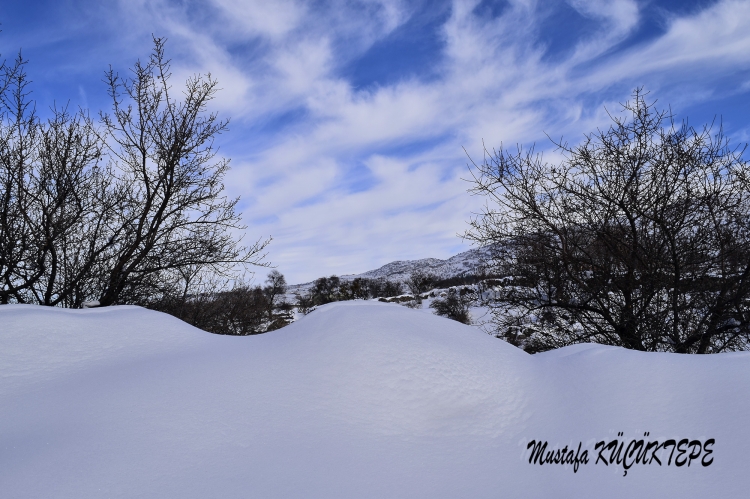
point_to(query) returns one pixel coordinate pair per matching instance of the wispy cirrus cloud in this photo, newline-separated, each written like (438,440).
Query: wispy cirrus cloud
(349,117)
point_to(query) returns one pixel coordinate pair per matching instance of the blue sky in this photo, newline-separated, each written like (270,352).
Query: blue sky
(348,118)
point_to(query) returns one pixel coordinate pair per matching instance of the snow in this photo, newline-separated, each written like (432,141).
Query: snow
(357,399)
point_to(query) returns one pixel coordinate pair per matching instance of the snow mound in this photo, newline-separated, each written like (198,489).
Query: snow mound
(357,399)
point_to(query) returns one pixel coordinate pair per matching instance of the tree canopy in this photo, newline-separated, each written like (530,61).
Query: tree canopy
(119,209)
(639,237)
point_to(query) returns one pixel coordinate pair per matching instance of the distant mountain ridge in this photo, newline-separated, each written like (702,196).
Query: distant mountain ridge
(458,265)
(464,263)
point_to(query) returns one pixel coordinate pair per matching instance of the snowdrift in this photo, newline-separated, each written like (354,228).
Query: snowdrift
(358,399)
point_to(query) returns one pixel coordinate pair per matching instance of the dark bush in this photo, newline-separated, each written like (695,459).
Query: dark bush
(455,305)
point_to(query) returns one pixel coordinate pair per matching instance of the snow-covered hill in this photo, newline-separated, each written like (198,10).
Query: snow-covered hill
(461,264)
(458,265)
(358,399)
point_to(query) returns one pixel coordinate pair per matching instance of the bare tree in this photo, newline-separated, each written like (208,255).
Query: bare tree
(639,238)
(125,211)
(175,214)
(77,209)
(18,256)
(56,199)
(209,302)
(274,291)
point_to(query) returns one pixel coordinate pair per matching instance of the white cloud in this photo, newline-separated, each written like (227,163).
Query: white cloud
(618,18)
(495,86)
(492,82)
(702,47)
(262,18)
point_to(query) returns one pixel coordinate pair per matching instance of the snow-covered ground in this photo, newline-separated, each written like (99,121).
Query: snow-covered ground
(357,399)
